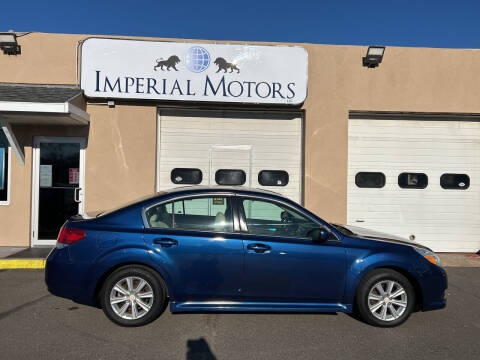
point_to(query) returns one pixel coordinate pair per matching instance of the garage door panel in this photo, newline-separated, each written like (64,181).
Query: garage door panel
(433,215)
(193,140)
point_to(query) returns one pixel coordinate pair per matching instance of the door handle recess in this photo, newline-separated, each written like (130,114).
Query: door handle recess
(259,248)
(165,242)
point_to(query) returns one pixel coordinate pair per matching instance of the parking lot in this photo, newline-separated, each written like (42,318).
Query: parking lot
(35,324)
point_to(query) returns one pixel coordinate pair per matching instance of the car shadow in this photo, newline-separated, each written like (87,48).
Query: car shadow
(199,350)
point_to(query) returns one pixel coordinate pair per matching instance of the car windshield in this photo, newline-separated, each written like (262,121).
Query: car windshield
(103,213)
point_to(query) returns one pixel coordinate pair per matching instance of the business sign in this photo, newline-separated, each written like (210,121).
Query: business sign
(132,69)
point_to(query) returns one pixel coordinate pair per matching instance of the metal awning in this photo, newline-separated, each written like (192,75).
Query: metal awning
(29,104)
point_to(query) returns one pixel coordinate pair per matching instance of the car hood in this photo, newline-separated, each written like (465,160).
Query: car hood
(368,234)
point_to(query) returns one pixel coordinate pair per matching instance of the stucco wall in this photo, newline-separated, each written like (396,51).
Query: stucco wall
(120,158)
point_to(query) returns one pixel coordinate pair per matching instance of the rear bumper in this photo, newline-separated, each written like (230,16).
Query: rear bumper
(64,278)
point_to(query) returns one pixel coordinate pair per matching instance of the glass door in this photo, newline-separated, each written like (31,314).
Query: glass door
(58,185)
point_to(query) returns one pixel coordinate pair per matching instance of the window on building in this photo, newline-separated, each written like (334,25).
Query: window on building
(4,170)
(186,176)
(273,178)
(268,218)
(412,180)
(230,177)
(455,181)
(370,179)
(212,213)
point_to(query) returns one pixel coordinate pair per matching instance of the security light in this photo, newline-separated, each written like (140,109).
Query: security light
(374,56)
(8,43)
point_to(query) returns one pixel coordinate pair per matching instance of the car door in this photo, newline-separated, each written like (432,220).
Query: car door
(281,263)
(192,239)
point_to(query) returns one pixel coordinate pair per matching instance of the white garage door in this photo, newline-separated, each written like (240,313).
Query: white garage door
(444,213)
(231,140)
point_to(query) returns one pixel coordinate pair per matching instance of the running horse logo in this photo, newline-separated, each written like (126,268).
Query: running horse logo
(169,63)
(224,65)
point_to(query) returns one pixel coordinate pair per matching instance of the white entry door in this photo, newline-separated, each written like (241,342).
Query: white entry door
(58,185)
(418,179)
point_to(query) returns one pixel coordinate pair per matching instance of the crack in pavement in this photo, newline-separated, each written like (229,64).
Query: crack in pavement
(7,313)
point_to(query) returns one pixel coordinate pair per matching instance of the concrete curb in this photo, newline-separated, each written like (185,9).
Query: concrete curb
(22,264)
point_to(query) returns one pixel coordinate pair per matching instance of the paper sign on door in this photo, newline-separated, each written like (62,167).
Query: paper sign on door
(73,174)
(45,175)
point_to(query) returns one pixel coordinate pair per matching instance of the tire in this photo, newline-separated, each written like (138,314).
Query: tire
(375,307)
(138,294)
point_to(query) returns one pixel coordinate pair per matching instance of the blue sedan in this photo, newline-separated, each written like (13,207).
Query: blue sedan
(236,249)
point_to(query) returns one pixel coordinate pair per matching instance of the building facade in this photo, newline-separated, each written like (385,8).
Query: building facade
(89,123)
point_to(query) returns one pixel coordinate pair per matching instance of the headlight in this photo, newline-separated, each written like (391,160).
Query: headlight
(429,255)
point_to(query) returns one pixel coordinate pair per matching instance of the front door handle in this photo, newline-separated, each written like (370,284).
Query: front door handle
(259,248)
(165,242)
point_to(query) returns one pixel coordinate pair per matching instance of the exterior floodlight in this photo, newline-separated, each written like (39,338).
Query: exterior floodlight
(374,56)
(8,43)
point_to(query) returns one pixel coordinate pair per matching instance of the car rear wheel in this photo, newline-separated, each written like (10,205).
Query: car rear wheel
(133,296)
(385,298)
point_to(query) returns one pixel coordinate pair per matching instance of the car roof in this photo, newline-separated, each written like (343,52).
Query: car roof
(202,188)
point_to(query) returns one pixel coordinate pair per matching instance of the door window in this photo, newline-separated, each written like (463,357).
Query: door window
(212,213)
(268,218)
(4,167)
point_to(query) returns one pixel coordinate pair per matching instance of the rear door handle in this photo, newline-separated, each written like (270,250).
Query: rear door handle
(165,242)
(259,248)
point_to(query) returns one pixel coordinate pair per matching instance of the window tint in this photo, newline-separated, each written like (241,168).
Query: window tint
(273,178)
(413,180)
(230,177)
(268,218)
(200,214)
(3,167)
(455,181)
(186,176)
(370,179)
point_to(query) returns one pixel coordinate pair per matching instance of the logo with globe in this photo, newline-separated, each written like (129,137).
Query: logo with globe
(197,59)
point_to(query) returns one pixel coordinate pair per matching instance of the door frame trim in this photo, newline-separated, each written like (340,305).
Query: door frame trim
(36,181)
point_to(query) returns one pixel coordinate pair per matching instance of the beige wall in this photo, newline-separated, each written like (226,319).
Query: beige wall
(120,158)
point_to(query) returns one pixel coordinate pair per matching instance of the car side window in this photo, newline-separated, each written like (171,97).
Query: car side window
(210,213)
(269,218)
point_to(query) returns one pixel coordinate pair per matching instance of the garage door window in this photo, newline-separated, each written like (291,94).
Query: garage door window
(370,180)
(273,178)
(186,176)
(412,180)
(455,181)
(230,177)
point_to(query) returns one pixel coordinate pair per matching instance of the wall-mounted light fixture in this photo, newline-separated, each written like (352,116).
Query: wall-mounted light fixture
(374,56)
(8,43)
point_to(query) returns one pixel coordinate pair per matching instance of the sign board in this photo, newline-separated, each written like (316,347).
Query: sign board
(45,175)
(3,154)
(73,176)
(154,70)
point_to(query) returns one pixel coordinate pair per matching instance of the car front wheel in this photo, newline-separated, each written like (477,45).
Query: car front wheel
(133,296)
(385,298)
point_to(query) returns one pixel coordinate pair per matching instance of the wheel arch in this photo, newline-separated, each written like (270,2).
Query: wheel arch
(111,270)
(410,277)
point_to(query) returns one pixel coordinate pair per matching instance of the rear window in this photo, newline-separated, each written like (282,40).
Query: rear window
(230,177)
(370,179)
(273,178)
(412,180)
(455,181)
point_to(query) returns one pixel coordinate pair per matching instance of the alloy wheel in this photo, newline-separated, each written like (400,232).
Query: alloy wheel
(131,298)
(387,300)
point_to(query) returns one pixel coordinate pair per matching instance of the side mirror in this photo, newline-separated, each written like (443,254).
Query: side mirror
(320,234)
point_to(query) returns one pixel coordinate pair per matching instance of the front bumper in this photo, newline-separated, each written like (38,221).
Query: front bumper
(434,286)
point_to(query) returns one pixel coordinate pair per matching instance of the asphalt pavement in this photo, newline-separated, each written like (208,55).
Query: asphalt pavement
(37,325)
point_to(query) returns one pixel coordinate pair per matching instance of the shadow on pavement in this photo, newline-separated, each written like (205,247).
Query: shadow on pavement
(199,350)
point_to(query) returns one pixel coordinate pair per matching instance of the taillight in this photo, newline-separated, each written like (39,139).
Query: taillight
(69,236)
